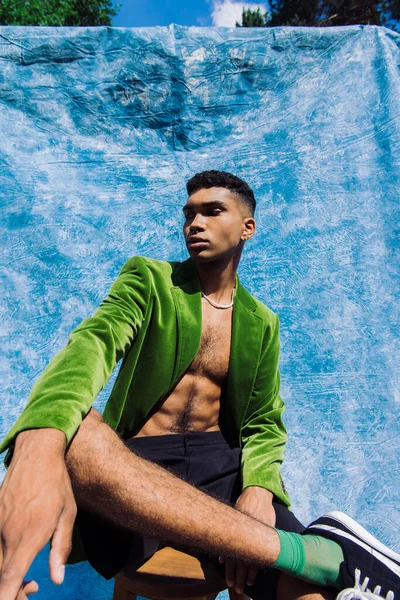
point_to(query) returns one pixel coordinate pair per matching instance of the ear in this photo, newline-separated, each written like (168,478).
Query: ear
(248,228)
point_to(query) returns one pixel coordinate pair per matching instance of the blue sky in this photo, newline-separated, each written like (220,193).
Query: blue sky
(199,13)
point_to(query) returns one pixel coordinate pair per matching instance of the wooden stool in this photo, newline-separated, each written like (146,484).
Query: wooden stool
(171,575)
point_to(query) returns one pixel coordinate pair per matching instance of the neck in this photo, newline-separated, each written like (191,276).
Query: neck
(217,279)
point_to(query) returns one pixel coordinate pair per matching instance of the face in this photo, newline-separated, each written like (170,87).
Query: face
(215,217)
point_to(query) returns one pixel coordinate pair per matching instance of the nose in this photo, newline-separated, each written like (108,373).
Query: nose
(197,223)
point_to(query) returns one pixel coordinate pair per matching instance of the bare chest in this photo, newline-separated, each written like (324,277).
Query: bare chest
(212,359)
(194,403)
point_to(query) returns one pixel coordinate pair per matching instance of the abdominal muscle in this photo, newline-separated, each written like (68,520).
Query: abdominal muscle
(193,405)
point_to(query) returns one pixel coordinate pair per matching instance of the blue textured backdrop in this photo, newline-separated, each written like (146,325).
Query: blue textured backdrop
(99,130)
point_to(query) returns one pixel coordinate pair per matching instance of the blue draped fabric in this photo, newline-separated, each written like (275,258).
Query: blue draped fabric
(100,128)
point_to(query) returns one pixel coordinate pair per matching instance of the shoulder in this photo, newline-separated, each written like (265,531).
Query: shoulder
(152,268)
(267,314)
(268,318)
(262,310)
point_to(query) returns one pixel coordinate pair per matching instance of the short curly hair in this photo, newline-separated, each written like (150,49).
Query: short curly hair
(209,179)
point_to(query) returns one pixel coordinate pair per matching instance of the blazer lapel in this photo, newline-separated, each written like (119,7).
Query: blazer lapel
(246,344)
(186,294)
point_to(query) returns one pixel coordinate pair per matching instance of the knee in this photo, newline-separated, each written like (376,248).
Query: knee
(84,436)
(94,415)
(91,420)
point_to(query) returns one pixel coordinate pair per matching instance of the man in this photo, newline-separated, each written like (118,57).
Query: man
(197,392)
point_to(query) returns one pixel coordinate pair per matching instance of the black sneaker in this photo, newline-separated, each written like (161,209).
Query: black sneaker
(360,591)
(376,565)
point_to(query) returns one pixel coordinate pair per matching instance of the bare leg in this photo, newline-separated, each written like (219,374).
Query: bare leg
(110,480)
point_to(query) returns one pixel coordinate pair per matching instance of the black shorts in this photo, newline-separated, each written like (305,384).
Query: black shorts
(205,460)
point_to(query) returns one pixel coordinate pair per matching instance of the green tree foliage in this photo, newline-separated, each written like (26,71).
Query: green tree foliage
(253,18)
(326,13)
(57,13)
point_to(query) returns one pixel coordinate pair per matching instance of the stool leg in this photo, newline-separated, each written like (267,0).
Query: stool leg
(121,592)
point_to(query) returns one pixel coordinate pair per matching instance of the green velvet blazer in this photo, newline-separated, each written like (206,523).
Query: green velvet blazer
(152,320)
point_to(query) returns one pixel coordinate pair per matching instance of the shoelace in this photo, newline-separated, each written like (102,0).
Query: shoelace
(361,591)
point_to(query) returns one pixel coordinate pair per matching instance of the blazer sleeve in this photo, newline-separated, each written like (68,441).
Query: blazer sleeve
(263,433)
(66,389)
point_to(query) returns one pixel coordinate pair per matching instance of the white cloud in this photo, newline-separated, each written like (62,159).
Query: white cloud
(225,13)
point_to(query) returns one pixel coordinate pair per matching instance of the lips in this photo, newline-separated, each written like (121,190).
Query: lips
(194,240)
(196,243)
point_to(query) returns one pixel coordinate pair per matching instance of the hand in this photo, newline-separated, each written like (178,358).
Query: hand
(36,503)
(257,503)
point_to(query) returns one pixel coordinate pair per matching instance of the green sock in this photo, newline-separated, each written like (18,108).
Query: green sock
(310,557)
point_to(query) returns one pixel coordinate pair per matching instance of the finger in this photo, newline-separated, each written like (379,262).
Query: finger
(30,587)
(17,559)
(241,574)
(61,546)
(252,573)
(21,594)
(230,572)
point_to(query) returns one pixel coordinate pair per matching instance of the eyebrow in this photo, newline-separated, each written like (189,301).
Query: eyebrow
(209,203)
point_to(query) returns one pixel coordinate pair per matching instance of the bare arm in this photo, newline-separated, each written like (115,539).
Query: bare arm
(67,388)
(36,497)
(36,502)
